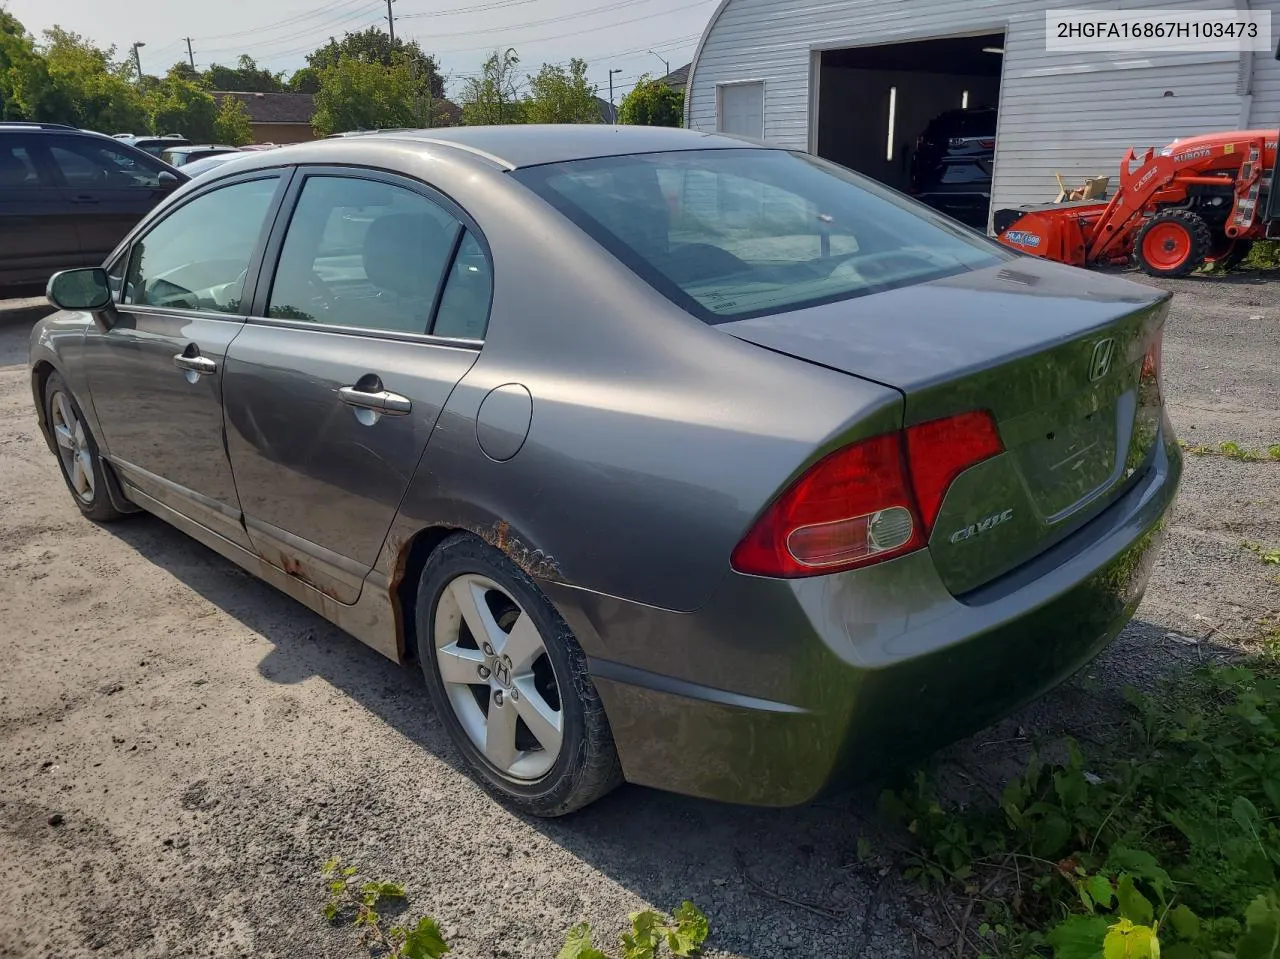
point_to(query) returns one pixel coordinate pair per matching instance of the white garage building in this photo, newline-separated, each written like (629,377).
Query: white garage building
(818,75)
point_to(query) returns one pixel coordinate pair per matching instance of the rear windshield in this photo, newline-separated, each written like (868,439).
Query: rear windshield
(732,234)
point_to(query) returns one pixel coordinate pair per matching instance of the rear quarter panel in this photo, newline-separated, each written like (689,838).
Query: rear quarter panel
(654,439)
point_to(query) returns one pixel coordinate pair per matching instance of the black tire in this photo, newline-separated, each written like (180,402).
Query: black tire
(94,503)
(587,766)
(1173,243)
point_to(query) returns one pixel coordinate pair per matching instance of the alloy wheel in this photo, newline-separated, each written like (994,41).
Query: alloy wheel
(498,677)
(73,446)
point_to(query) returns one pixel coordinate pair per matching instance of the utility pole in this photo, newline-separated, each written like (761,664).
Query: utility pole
(191,57)
(665,62)
(391,23)
(613,110)
(137,60)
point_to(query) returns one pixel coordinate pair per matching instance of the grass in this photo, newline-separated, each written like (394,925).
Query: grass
(1269,556)
(356,901)
(1263,255)
(1165,841)
(1234,451)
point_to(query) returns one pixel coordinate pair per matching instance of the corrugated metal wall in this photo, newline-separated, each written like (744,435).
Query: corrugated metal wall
(1069,113)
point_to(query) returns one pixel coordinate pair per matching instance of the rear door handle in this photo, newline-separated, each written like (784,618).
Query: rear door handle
(196,364)
(382,401)
(84,199)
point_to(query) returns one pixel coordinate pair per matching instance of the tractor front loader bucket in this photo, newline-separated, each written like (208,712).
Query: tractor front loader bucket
(1055,231)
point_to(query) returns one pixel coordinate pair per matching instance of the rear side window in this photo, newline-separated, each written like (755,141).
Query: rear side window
(197,258)
(86,163)
(731,234)
(374,256)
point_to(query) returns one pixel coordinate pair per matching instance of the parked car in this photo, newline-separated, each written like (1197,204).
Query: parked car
(952,164)
(182,155)
(365,133)
(155,145)
(745,496)
(199,167)
(67,197)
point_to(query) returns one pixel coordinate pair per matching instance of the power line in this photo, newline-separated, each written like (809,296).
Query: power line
(543,22)
(617,55)
(289,22)
(575,33)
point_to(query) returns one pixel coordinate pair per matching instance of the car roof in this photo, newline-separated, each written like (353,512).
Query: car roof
(194,147)
(527,145)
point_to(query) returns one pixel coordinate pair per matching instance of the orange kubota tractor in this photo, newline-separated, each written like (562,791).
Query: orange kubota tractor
(1200,200)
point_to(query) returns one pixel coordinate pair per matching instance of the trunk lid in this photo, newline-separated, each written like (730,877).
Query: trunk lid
(1057,357)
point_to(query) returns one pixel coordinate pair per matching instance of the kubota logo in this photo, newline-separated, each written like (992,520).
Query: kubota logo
(1022,238)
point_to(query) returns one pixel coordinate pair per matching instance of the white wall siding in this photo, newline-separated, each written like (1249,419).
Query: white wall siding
(1070,113)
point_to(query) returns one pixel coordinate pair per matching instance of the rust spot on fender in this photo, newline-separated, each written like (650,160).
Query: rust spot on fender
(535,562)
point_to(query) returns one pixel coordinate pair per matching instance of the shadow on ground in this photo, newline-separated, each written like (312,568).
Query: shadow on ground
(793,874)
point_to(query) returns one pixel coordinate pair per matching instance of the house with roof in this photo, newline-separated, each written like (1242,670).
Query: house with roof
(276,117)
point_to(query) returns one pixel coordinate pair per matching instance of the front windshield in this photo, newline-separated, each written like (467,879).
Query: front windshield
(731,234)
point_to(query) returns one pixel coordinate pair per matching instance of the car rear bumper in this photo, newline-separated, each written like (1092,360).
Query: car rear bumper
(775,692)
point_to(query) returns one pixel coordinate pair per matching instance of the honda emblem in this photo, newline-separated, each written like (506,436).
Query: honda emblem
(1100,365)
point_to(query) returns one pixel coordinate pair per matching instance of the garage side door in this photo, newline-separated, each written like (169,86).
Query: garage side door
(742,110)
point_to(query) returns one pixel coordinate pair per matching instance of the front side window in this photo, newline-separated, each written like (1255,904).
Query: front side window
(365,254)
(86,163)
(731,234)
(197,258)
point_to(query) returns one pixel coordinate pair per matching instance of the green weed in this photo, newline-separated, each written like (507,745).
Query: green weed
(1165,842)
(1233,451)
(1263,255)
(1269,556)
(652,934)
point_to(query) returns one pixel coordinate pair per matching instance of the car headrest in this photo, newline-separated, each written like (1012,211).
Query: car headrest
(12,169)
(405,252)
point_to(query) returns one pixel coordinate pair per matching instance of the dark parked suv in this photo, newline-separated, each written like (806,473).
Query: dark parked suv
(951,167)
(67,197)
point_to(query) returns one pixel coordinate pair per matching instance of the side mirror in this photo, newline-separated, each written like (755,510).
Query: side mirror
(168,182)
(82,290)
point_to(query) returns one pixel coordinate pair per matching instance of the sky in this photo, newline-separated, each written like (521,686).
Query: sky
(608,34)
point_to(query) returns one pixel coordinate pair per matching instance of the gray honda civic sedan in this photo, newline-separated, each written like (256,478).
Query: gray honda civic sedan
(667,457)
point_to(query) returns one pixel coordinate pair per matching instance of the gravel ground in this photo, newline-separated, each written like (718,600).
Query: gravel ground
(181,747)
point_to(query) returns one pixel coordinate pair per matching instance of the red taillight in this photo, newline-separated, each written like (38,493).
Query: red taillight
(864,504)
(943,449)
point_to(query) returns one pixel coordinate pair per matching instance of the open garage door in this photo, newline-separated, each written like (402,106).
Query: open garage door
(919,117)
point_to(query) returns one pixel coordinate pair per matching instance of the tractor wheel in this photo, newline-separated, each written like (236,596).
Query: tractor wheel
(1173,243)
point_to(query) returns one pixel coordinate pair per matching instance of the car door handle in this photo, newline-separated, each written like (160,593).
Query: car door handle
(389,404)
(195,364)
(84,199)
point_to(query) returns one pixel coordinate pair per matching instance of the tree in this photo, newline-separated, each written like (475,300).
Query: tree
(182,70)
(180,106)
(652,104)
(246,77)
(95,90)
(306,80)
(495,96)
(355,95)
(27,92)
(375,46)
(557,95)
(231,125)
